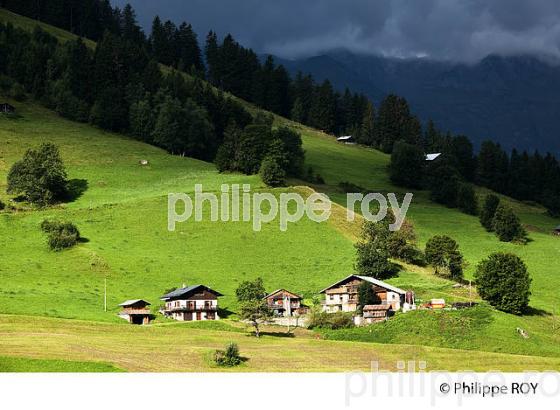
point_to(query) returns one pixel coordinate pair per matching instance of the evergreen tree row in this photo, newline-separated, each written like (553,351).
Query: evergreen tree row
(120,87)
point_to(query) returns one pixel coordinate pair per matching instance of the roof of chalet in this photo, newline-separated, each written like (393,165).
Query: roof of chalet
(557,228)
(376,307)
(345,138)
(368,279)
(133,302)
(189,289)
(282,290)
(431,157)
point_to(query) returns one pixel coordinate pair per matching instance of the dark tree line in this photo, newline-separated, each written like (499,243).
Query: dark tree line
(523,176)
(120,87)
(224,63)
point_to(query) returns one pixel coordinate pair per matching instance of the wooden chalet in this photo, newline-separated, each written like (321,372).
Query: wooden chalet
(556,231)
(136,311)
(7,108)
(285,303)
(196,302)
(343,295)
(375,313)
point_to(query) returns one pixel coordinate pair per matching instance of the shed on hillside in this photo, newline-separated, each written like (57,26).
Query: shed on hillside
(7,108)
(346,139)
(432,157)
(136,311)
(556,231)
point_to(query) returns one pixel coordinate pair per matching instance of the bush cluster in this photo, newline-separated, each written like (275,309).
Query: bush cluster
(324,320)
(60,235)
(229,357)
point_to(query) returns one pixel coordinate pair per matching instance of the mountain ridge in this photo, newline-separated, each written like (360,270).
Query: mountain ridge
(512,100)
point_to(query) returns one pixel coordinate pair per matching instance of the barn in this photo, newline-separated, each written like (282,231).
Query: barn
(6,108)
(136,311)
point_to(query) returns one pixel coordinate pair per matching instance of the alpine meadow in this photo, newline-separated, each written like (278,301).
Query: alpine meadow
(62,304)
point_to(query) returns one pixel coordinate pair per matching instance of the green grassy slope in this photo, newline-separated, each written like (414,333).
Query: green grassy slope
(123,215)
(30,24)
(25,365)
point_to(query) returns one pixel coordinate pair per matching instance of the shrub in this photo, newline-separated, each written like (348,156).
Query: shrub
(229,357)
(324,320)
(401,246)
(293,148)
(443,254)
(466,199)
(507,225)
(488,211)
(444,185)
(40,176)
(2,206)
(60,235)
(407,165)
(372,255)
(502,280)
(271,172)
(250,290)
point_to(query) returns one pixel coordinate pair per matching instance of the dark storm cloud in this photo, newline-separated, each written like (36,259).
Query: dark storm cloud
(445,29)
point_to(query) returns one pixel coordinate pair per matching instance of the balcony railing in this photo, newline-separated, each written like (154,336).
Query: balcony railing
(190,308)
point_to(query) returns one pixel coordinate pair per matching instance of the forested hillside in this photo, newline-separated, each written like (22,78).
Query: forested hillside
(119,86)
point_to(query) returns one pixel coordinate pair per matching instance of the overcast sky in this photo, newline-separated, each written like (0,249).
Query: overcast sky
(460,30)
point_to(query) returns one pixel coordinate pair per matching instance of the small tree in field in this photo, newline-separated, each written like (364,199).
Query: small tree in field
(507,225)
(60,235)
(250,290)
(488,211)
(229,357)
(504,282)
(372,252)
(39,176)
(271,172)
(466,199)
(257,313)
(443,254)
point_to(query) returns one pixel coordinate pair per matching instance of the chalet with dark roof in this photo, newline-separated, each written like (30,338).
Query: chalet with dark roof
(343,295)
(196,302)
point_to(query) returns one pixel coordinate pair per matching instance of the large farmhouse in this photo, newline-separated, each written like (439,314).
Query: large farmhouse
(343,295)
(197,302)
(284,303)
